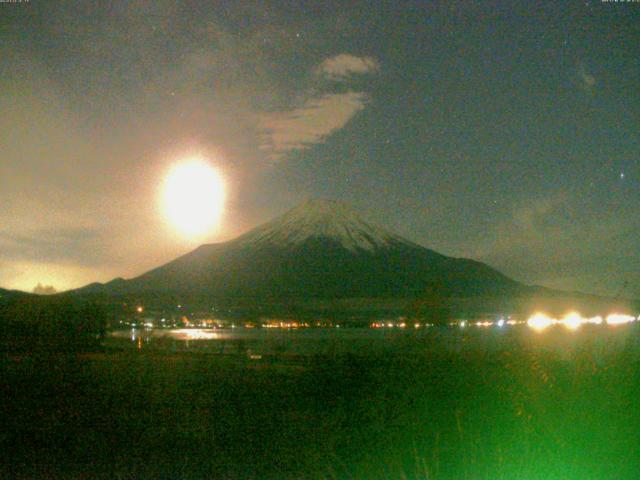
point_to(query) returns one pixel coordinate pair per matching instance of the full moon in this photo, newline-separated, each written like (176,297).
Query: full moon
(193,197)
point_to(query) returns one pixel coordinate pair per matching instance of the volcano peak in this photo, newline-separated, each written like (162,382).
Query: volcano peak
(322,219)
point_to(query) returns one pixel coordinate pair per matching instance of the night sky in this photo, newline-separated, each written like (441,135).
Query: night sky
(505,132)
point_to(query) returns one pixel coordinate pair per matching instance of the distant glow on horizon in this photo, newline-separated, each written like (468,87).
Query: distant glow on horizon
(25,275)
(193,197)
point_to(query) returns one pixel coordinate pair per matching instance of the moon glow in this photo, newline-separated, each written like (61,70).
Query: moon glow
(193,197)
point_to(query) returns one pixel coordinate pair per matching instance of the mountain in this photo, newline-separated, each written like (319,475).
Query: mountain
(11,294)
(319,250)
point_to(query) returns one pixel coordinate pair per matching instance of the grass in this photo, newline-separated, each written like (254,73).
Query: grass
(522,411)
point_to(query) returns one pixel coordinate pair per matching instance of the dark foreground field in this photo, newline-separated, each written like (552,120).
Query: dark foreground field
(523,412)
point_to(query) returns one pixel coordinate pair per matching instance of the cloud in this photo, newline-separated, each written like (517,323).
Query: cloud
(586,79)
(146,85)
(44,289)
(64,245)
(315,120)
(525,228)
(344,65)
(319,116)
(528,218)
(23,275)
(548,241)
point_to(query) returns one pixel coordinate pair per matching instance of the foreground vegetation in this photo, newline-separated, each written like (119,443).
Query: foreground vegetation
(520,412)
(39,324)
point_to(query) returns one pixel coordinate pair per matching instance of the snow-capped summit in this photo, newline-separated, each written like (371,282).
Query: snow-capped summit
(326,219)
(320,249)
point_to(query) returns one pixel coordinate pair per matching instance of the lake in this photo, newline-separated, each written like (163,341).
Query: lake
(338,341)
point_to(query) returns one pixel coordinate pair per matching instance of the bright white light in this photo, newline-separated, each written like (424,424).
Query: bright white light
(193,197)
(618,319)
(597,320)
(572,320)
(500,323)
(540,321)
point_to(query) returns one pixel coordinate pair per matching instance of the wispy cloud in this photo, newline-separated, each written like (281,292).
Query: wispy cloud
(155,85)
(546,241)
(524,231)
(59,244)
(309,124)
(319,116)
(586,79)
(54,258)
(344,65)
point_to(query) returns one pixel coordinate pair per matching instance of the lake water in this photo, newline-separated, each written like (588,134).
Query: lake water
(336,341)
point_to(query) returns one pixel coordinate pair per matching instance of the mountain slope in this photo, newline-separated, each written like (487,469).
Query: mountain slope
(9,294)
(320,249)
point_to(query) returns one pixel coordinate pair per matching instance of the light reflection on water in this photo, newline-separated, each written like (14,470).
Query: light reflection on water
(323,341)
